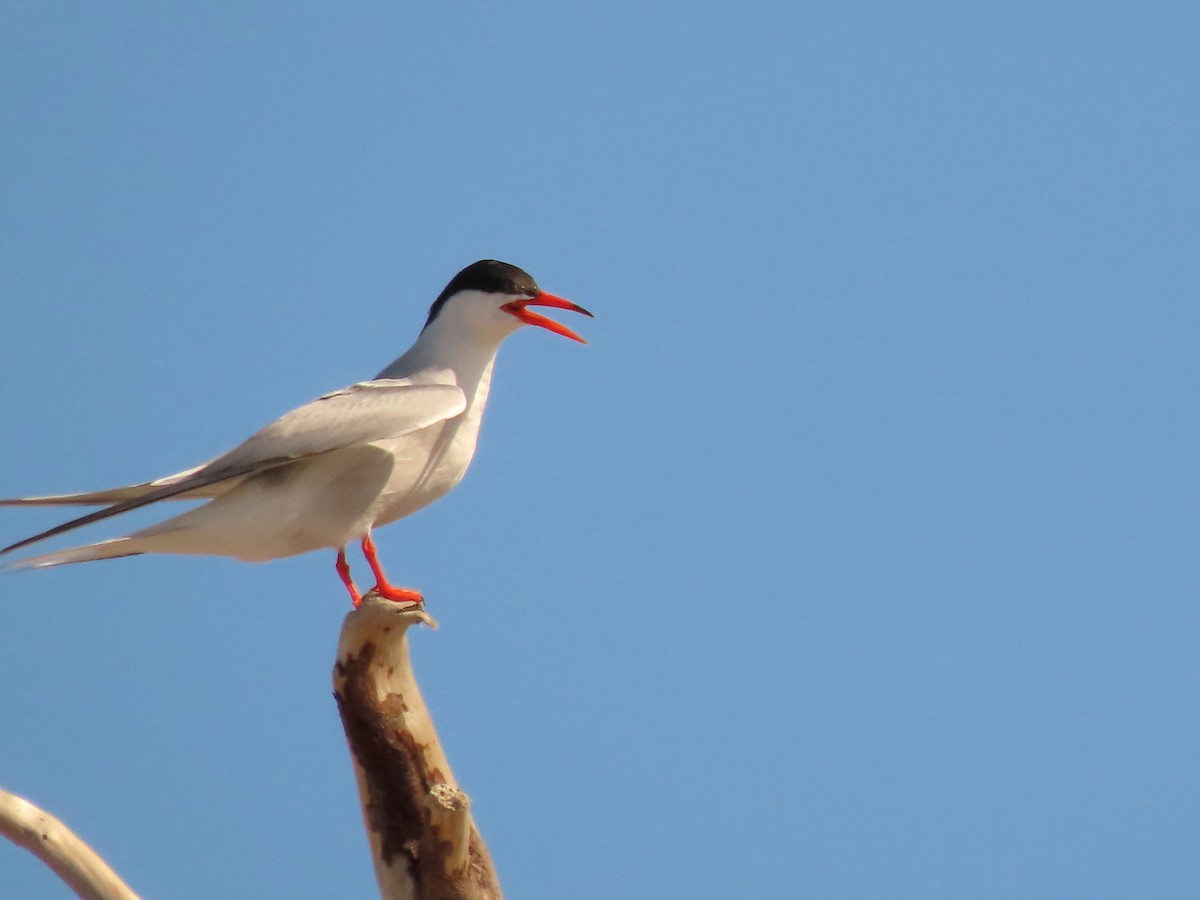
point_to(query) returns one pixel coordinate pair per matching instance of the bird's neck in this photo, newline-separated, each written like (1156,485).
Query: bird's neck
(444,355)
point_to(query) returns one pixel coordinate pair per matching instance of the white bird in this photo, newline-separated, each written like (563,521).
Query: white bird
(329,472)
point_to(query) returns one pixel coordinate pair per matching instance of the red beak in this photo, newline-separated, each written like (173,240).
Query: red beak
(518,308)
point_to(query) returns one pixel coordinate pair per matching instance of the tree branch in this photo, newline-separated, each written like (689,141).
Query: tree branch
(423,840)
(57,846)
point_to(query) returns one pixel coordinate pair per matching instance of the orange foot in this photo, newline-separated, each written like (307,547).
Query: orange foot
(383,587)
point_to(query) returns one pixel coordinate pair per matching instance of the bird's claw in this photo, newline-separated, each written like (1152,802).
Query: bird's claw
(398,594)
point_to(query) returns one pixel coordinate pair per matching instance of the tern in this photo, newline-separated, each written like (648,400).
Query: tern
(327,473)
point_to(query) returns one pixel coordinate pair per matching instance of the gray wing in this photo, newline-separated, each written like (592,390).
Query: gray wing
(362,413)
(114,495)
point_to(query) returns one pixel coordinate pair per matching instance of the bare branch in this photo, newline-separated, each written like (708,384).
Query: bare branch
(423,840)
(58,847)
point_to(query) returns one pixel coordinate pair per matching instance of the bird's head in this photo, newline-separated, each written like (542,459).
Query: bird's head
(491,299)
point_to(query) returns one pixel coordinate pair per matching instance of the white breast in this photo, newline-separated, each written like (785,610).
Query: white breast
(431,462)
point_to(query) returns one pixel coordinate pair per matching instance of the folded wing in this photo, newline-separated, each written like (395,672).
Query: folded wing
(113,495)
(365,412)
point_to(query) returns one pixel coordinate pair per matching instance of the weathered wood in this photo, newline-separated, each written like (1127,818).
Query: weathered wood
(57,846)
(423,840)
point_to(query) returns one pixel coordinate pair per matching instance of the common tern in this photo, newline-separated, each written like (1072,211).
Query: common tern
(327,473)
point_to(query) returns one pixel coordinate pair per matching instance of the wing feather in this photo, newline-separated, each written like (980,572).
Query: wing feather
(362,413)
(110,495)
(199,480)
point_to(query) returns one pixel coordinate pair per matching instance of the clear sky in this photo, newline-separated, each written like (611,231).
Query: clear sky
(856,557)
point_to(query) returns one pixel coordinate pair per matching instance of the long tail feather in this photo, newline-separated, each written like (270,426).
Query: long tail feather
(113,549)
(91,498)
(117,495)
(198,480)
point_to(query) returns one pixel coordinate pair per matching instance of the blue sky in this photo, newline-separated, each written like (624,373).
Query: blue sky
(855,557)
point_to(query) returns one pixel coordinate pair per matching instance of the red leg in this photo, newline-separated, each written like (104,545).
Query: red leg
(383,587)
(343,570)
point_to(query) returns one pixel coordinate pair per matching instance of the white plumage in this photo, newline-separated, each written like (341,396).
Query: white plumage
(328,472)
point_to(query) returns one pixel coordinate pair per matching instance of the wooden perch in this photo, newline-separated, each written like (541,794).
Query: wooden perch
(423,840)
(58,847)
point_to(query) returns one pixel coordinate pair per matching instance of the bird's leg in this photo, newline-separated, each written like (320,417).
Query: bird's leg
(383,587)
(343,570)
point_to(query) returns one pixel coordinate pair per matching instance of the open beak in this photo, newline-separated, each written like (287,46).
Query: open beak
(519,309)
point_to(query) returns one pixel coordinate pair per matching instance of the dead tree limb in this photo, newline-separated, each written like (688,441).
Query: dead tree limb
(57,846)
(423,840)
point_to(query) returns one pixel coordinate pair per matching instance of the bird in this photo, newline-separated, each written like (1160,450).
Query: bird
(331,471)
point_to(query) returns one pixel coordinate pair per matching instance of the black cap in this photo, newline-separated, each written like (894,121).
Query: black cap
(489,276)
